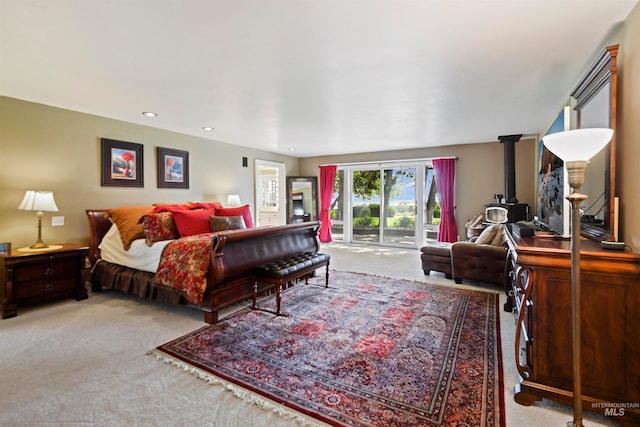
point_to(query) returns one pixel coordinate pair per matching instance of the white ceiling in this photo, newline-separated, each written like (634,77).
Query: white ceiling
(320,76)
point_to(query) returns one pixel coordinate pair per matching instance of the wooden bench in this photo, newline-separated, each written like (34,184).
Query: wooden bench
(287,270)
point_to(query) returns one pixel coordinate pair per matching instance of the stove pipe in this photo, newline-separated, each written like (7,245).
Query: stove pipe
(509,142)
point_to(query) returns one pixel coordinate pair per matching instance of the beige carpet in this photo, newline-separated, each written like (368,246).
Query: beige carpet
(85,363)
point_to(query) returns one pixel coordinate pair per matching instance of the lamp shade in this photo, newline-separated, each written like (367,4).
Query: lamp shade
(578,144)
(38,201)
(233,200)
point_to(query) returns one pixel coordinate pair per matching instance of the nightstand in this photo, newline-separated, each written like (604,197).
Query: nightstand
(28,277)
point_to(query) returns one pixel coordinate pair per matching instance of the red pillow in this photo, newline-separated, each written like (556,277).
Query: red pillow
(243,211)
(193,222)
(165,207)
(204,205)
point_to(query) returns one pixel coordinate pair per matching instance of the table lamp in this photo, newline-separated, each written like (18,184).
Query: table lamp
(233,200)
(38,201)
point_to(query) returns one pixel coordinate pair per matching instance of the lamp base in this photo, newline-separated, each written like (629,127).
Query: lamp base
(39,245)
(48,248)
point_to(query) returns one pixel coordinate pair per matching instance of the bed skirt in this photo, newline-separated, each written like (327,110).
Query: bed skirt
(131,281)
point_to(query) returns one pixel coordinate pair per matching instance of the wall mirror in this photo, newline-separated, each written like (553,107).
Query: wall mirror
(595,106)
(302,198)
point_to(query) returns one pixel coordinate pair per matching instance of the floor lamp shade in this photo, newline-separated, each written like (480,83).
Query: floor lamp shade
(39,201)
(578,144)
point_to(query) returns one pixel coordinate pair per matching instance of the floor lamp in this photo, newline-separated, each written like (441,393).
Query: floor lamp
(575,148)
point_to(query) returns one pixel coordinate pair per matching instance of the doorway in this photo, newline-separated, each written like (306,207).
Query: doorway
(269,193)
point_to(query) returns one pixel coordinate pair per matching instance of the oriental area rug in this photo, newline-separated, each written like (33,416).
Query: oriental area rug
(367,351)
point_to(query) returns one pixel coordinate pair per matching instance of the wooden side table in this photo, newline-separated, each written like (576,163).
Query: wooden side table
(28,277)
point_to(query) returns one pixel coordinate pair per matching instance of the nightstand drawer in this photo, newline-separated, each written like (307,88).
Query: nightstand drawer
(46,270)
(44,289)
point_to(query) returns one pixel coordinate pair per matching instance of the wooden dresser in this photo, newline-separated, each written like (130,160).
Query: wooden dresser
(541,301)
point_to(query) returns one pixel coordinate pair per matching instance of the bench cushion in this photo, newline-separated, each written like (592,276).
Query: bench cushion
(290,266)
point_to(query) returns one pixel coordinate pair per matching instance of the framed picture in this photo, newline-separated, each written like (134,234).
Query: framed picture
(122,164)
(173,168)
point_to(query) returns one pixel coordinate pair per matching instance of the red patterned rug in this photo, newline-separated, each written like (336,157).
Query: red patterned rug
(367,351)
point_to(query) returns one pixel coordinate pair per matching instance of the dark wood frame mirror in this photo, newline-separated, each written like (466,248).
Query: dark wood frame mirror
(602,77)
(305,188)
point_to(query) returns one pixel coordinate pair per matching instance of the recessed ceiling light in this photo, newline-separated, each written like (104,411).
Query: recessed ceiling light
(149,114)
(207,128)
(292,149)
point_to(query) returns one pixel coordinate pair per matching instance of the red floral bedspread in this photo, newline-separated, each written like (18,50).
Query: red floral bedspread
(183,266)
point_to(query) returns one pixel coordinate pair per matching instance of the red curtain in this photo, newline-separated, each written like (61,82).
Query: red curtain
(445,170)
(327,181)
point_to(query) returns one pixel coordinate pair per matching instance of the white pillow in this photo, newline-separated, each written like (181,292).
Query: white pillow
(492,235)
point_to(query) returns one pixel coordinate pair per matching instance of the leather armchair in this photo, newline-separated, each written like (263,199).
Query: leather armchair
(484,262)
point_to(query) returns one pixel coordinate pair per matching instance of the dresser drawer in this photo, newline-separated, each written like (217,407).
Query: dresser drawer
(45,270)
(44,289)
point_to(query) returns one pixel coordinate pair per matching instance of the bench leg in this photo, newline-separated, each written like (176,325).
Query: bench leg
(254,294)
(326,280)
(278,298)
(254,297)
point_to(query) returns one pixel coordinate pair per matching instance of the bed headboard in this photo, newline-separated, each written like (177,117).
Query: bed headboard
(99,224)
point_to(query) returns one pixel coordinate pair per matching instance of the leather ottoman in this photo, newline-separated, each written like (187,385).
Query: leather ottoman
(436,256)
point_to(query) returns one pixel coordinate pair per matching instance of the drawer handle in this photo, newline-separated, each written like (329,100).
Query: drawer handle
(48,287)
(49,271)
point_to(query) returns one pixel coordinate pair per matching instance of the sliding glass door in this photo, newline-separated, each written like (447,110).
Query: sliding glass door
(391,204)
(365,202)
(383,205)
(398,210)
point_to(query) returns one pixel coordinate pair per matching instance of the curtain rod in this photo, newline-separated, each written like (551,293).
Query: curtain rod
(383,162)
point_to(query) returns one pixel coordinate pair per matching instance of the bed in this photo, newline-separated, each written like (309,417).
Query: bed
(171,264)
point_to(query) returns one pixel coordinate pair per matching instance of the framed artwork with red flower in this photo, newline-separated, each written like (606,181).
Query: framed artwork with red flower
(173,168)
(122,164)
